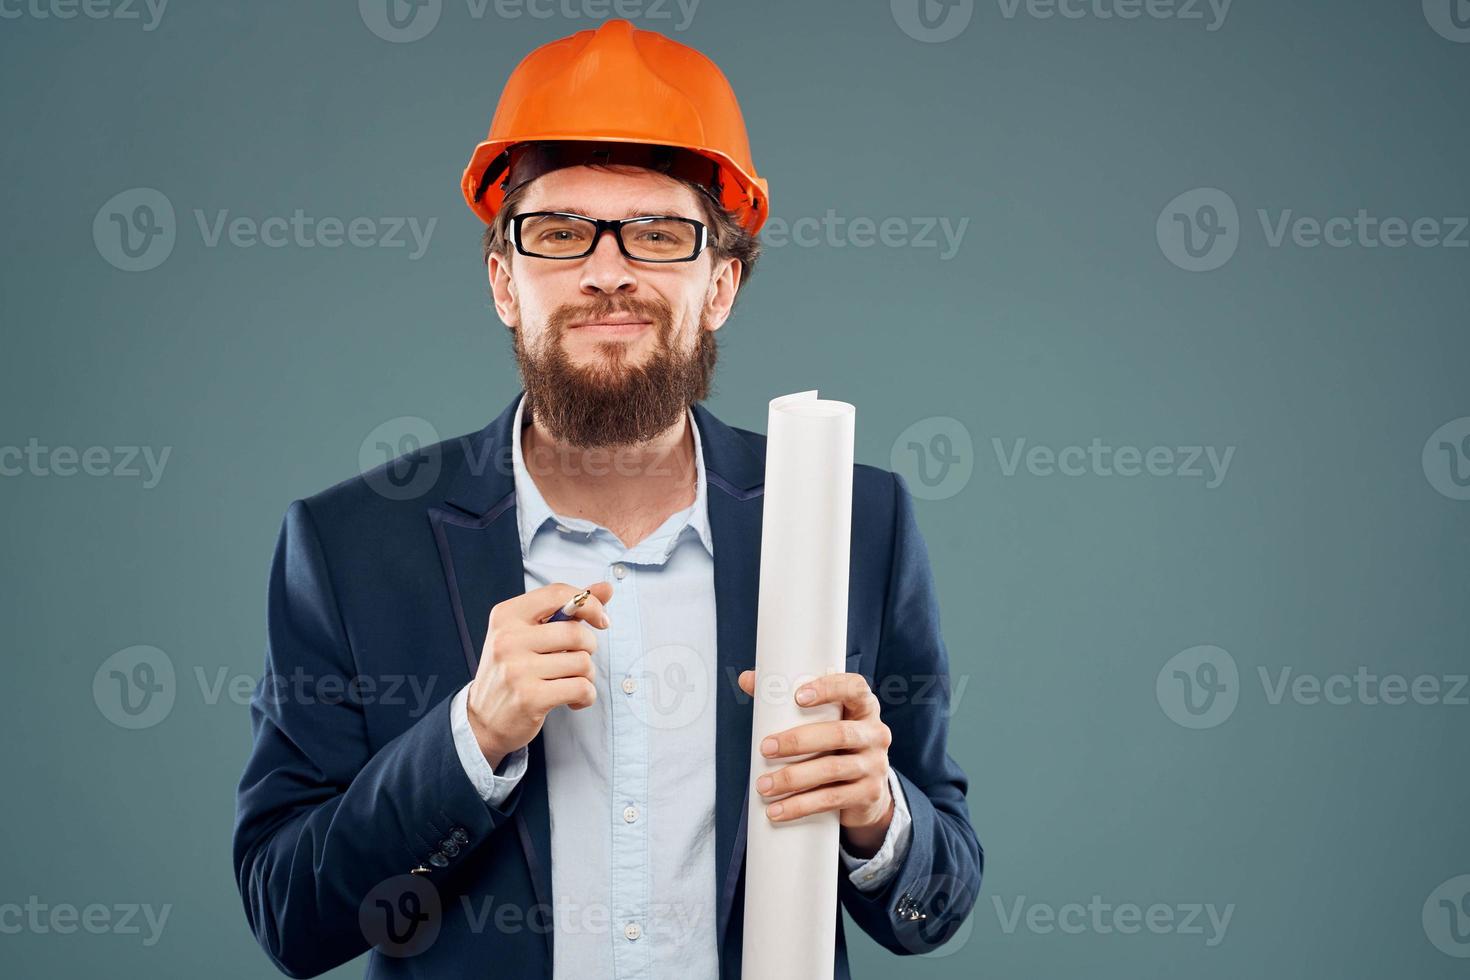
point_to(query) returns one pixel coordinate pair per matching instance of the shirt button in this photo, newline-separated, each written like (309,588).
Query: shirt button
(632,931)
(630,813)
(619,571)
(629,685)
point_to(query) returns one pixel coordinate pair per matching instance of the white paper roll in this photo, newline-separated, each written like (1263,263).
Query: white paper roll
(801,632)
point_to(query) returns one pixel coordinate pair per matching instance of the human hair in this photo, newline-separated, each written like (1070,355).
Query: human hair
(729,238)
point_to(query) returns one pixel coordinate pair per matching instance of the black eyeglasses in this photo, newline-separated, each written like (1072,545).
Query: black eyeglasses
(562,235)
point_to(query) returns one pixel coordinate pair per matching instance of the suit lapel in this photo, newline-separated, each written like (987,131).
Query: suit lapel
(480,550)
(735,473)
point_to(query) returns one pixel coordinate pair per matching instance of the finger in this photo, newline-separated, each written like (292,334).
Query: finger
(569,634)
(821,736)
(836,797)
(834,768)
(850,690)
(536,605)
(747,681)
(571,691)
(550,666)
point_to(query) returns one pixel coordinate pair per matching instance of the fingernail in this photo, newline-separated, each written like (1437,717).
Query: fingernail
(775,809)
(806,696)
(763,784)
(768,747)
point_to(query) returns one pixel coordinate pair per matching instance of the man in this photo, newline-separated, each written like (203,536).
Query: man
(572,802)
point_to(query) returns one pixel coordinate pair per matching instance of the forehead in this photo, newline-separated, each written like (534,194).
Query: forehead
(623,193)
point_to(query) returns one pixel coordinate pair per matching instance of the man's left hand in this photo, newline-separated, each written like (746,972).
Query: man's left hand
(851,774)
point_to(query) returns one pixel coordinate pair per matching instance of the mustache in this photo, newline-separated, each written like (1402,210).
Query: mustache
(568,314)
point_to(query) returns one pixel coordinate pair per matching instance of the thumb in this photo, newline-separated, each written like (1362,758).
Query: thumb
(747,681)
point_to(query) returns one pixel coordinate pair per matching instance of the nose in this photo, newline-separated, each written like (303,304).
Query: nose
(607,270)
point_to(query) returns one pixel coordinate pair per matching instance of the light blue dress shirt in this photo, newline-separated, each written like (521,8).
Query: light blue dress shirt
(631,779)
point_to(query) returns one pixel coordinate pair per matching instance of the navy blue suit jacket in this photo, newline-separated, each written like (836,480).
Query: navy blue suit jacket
(351,786)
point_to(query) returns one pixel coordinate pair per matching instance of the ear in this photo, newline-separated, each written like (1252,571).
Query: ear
(503,289)
(721,296)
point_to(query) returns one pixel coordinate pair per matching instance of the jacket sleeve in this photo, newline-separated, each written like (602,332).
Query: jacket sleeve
(322,819)
(938,881)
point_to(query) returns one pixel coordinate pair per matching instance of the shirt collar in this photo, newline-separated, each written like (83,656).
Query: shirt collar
(532,511)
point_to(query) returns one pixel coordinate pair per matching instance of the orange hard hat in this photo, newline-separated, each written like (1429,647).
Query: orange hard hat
(630,96)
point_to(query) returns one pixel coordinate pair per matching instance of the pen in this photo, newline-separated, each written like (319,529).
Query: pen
(573,604)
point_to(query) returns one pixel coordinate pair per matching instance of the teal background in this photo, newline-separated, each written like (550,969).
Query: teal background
(1060,319)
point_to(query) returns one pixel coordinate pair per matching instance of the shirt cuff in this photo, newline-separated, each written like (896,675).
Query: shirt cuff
(492,785)
(873,873)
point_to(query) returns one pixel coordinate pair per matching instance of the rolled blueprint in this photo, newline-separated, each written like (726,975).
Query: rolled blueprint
(801,632)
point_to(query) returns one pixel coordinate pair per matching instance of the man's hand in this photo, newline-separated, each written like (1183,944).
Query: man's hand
(851,775)
(528,667)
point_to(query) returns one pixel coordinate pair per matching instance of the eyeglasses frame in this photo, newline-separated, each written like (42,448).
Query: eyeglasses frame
(614,225)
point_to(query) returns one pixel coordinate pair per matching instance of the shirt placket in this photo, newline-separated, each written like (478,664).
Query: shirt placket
(628,742)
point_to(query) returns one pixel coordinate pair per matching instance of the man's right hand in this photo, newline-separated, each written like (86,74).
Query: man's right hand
(528,667)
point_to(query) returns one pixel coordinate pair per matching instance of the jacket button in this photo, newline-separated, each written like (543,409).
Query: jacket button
(438,860)
(460,837)
(449,847)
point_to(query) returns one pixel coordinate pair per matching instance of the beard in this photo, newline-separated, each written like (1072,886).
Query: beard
(612,402)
